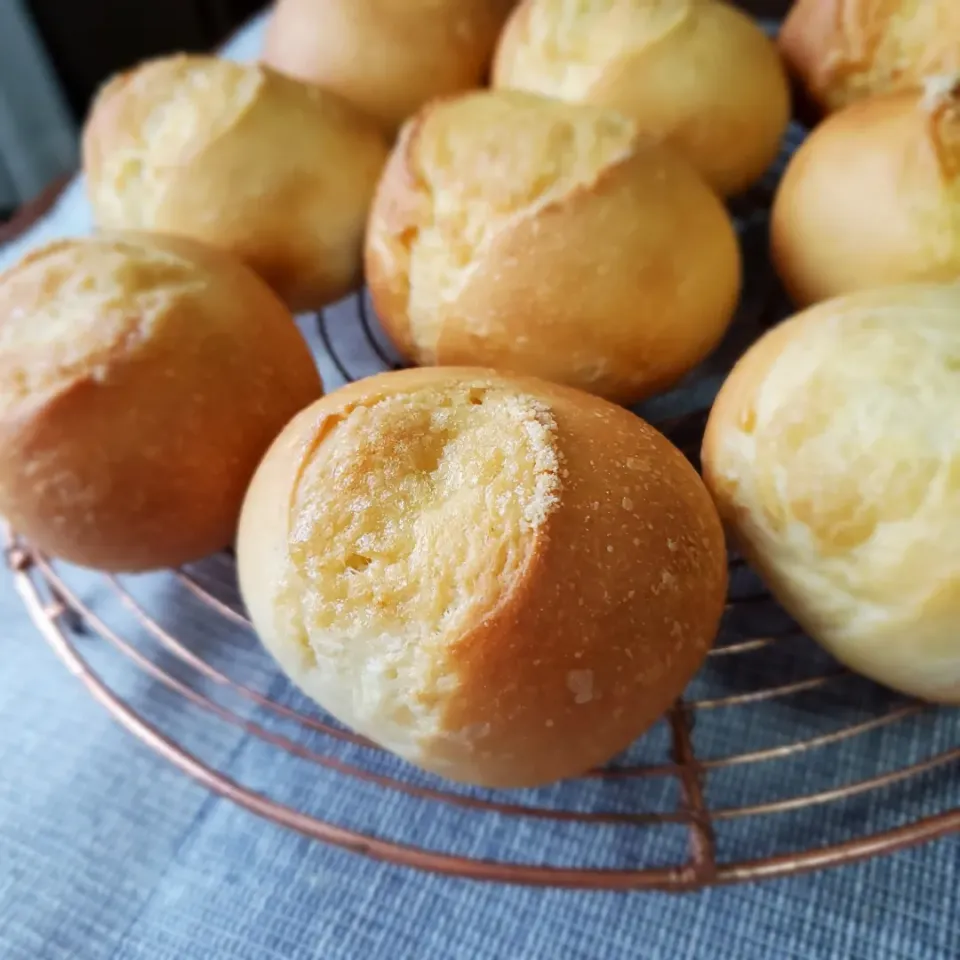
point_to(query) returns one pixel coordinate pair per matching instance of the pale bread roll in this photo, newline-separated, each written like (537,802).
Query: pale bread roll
(549,239)
(843,51)
(502,580)
(142,378)
(277,172)
(872,198)
(699,74)
(389,57)
(833,452)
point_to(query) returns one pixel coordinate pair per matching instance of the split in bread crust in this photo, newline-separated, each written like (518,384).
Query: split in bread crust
(278,173)
(502,580)
(552,239)
(142,378)
(843,51)
(700,75)
(833,452)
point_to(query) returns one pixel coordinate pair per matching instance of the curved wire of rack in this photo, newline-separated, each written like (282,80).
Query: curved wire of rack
(351,344)
(66,621)
(63,619)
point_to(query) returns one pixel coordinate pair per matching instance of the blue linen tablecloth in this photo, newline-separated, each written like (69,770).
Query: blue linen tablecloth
(108,853)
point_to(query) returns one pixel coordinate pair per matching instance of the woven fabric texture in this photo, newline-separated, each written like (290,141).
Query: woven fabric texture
(108,853)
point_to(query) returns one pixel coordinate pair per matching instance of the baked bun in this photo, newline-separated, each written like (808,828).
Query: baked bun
(387,56)
(277,172)
(842,51)
(502,580)
(142,378)
(872,198)
(549,238)
(833,452)
(698,73)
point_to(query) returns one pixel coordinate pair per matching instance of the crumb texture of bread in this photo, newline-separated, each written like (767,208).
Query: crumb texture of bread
(872,198)
(502,580)
(848,50)
(699,74)
(482,166)
(552,239)
(142,378)
(276,172)
(834,454)
(440,497)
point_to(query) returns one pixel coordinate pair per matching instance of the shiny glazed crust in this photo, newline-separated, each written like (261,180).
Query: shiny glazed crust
(561,631)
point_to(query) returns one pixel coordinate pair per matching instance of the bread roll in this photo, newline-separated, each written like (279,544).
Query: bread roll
(842,51)
(873,197)
(833,452)
(387,56)
(501,580)
(547,238)
(698,73)
(276,172)
(141,380)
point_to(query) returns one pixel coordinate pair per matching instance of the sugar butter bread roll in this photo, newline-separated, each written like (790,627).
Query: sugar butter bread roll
(387,56)
(872,198)
(142,378)
(549,239)
(277,172)
(833,452)
(843,51)
(502,580)
(698,73)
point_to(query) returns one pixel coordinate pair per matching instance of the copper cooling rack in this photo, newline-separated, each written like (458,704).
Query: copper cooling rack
(71,624)
(771,732)
(776,761)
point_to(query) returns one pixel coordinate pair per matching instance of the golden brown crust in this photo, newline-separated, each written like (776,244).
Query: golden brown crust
(563,266)
(727,116)
(388,57)
(941,103)
(636,545)
(846,50)
(832,454)
(400,206)
(136,404)
(609,616)
(872,198)
(276,172)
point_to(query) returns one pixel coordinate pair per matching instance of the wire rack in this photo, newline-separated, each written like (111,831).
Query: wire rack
(775,761)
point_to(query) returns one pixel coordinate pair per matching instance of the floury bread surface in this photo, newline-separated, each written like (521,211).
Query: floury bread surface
(502,580)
